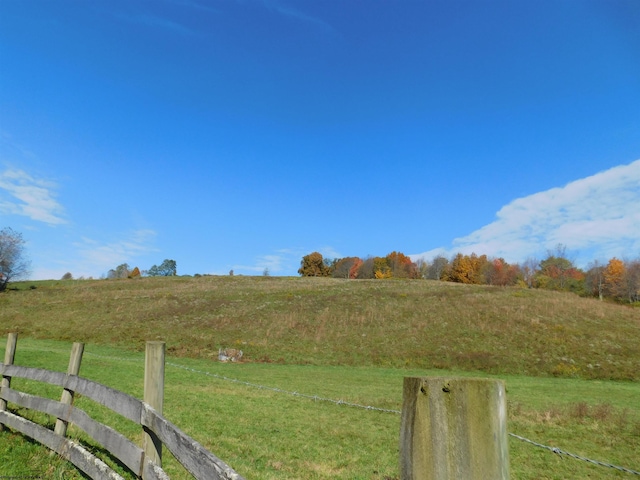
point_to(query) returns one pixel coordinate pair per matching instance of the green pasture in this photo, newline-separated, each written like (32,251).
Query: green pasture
(268,433)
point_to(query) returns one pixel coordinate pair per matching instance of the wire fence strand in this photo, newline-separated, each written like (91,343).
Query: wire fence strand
(287,392)
(573,455)
(317,398)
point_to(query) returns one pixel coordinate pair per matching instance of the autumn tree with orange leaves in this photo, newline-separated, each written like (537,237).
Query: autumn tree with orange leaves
(467,269)
(498,272)
(394,265)
(557,272)
(618,280)
(614,274)
(622,280)
(401,265)
(381,268)
(346,267)
(313,265)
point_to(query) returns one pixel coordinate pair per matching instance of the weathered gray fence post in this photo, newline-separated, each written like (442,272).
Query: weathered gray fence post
(9,356)
(453,428)
(67,395)
(153,396)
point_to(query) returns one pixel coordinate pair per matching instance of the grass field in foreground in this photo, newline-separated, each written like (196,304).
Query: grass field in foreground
(266,434)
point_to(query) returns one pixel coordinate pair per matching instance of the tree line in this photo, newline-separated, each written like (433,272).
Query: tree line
(616,279)
(167,268)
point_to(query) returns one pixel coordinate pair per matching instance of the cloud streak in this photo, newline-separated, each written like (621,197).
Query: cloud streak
(158,22)
(275,262)
(297,15)
(97,256)
(283,260)
(598,217)
(91,258)
(30,197)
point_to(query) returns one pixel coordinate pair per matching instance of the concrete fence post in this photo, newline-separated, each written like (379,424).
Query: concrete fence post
(154,396)
(9,356)
(67,395)
(453,428)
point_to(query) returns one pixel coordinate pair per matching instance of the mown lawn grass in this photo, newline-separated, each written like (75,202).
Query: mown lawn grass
(269,434)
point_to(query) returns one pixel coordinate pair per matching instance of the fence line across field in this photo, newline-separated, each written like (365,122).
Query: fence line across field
(386,410)
(573,455)
(318,398)
(355,405)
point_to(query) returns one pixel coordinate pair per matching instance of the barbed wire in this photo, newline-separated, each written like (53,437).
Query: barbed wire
(279,390)
(555,450)
(398,412)
(573,455)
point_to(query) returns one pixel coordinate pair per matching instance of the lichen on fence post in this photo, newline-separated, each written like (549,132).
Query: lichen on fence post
(9,356)
(453,428)
(154,396)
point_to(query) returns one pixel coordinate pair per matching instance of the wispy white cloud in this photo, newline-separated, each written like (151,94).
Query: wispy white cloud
(88,257)
(99,257)
(274,262)
(283,261)
(596,217)
(28,196)
(297,15)
(11,148)
(328,252)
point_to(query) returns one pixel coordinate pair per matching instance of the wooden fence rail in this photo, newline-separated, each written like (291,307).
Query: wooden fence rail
(144,462)
(451,428)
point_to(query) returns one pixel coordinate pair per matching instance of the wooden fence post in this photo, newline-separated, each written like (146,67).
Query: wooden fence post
(9,356)
(453,428)
(153,396)
(67,395)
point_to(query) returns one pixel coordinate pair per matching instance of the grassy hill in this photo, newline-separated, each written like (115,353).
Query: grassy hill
(351,341)
(322,321)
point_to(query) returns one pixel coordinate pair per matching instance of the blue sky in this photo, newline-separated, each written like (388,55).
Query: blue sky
(244,134)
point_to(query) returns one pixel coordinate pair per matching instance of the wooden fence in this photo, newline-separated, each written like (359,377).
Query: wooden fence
(144,462)
(451,428)
(454,428)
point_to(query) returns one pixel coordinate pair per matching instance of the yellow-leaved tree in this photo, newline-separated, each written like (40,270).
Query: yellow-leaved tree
(313,265)
(614,279)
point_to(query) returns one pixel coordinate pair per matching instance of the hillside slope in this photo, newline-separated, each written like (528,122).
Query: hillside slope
(417,324)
